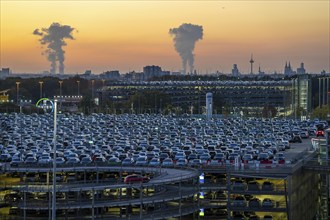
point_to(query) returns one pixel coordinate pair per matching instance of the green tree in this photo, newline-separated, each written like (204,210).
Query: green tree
(321,113)
(87,105)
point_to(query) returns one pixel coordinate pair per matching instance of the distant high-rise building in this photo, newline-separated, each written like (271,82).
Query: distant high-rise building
(301,69)
(176,73)
(302,88)
(154,71)
(114,74)
(151,71)
(88,72)
(235,71)
(4,72)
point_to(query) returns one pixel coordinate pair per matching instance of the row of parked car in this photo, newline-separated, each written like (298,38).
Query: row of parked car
(241,201)
(240,185)
(145,140)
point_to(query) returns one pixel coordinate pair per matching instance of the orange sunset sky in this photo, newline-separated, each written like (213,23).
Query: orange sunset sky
(127,35)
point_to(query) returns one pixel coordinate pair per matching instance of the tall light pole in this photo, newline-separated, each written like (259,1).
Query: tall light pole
(93,81)
(102,93)
(54,163)
(199,101)
(155,104)
(296,98)
(40,84)
(78,82)
(17,91)
(60,82)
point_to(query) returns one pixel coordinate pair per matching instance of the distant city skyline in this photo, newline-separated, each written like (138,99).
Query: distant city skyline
(129,35)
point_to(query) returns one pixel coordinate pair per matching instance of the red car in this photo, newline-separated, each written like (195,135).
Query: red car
(320,133)
(135,178)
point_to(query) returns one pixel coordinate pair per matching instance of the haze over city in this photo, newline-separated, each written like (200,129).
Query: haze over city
(128,35)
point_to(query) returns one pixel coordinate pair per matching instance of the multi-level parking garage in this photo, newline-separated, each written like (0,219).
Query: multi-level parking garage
(224,188)
(236,96)
(98,192)
(226,192)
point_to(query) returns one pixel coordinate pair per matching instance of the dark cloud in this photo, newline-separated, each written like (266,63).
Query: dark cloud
(37,32)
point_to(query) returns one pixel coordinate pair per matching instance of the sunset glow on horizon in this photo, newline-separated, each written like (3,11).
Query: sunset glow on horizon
(128,35)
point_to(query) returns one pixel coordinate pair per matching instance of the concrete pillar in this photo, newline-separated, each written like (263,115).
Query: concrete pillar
(228,195)
(93,204)
(141,201)
(49,204)
(180,205)
(24,210)
(129,192)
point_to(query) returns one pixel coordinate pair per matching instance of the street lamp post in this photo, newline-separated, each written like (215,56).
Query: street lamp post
(40,83)
(60,82)
(78,82)
(54,163)
(93,81)
(101,95)
(199,100)
(155,104)
(17,91)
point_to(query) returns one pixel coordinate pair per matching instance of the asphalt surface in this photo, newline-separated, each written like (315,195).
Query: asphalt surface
(298,150)
(166,176)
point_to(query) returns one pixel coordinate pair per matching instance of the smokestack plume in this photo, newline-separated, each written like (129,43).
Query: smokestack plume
(184,40)
(54,37)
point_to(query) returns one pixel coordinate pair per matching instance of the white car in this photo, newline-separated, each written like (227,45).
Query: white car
(182,162)
(45,160)
(167,162)
(59,160)
(154,162)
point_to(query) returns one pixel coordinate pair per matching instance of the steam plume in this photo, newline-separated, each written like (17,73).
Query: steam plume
(54,37)
(184,40)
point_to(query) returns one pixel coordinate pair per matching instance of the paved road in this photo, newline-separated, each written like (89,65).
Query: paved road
(297,150)
(172,193)
(166,176)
